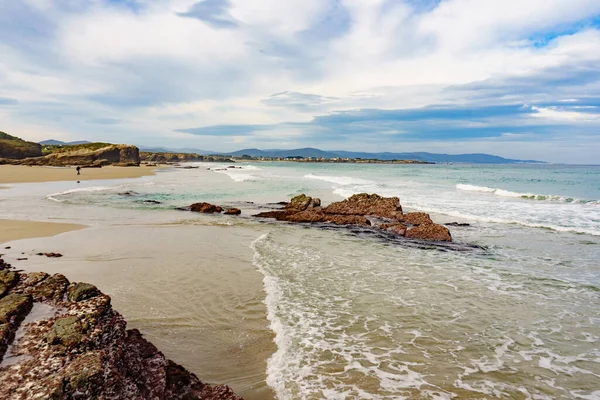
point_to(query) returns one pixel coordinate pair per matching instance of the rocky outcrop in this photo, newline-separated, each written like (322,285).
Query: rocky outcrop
(367,204)
(110,154)
(206,208)
(14,148)
(233,211)
(63,340)
(372,210)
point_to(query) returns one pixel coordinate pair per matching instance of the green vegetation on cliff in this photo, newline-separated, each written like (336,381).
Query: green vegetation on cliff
(50,149)
(17,148)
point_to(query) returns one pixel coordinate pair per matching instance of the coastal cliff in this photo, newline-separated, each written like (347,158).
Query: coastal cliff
(63,340)
(12,147)
(86,155)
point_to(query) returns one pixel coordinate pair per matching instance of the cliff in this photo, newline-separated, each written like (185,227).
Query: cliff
(90,155)
(12,147)
(63,340)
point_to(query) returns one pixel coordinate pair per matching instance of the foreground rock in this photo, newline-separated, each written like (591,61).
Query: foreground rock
(63,340)
(363,209)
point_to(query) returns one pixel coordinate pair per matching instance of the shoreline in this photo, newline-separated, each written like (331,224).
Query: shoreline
(20,229)
(13,174)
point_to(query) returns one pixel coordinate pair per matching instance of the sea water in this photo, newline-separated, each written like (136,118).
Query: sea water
(288,311)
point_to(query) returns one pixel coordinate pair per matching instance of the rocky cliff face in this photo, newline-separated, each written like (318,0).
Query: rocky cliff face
(112,154)
(63,340)
(12,147)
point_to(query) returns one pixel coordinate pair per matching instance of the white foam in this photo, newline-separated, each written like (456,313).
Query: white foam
(340,180)
(54,196)
(526,196)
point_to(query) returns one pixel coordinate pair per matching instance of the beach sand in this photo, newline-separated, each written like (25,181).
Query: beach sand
(26,174)
(15,230)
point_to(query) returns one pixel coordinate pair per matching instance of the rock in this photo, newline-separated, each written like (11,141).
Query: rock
(50,289)
(22,259)
(13,309)
(302,202)
(8,279)
(233,211)
(367,204)
(81,291)
(150,202)
(397,228)
(429,231)
(50,255)
(81,349)
(416,218)
(205,208)
(457,224)
(364,210)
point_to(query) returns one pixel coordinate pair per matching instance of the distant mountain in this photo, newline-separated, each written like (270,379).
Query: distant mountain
(305,152)
(476,158)
(182,150)
(53,142)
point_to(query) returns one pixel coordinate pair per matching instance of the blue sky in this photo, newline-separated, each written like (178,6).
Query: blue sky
(516,78)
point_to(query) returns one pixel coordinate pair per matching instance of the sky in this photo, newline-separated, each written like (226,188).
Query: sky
(515,78)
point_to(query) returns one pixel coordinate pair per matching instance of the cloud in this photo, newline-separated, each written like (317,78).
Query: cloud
(298,101)
(340,73)
(213,12)
(5,101)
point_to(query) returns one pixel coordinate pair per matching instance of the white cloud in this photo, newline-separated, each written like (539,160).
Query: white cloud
(166,72)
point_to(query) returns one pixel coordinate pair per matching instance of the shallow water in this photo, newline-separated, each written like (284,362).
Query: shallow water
(351,315)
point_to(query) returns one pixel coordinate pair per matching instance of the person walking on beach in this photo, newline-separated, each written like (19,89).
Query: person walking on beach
(78,170)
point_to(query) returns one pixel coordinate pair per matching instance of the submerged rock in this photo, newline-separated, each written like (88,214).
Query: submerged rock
(367,210)
(205,208)
(233,211)
(63,340)
(429,231)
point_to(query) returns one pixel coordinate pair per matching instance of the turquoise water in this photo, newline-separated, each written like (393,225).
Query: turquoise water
(355,316)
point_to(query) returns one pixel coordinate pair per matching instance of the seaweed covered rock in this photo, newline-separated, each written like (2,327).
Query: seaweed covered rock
(372,210)
(73,345)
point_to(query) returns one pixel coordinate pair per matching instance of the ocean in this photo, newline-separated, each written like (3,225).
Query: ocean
(297,312)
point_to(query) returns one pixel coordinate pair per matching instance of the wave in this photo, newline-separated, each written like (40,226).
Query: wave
(526,196)
(340,180)
(541,224)
(78,190)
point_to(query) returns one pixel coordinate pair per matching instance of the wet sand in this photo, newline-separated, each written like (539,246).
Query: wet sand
(192,290)
(15,230)
(26,174)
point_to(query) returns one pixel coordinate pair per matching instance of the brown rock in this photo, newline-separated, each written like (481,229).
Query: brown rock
(429,231)
(396,229)
(233,211)
(81,349)
(302,202)
(367,204)
(417,218)
(205,208)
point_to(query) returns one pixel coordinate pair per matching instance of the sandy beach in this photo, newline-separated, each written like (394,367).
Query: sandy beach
(26,174)
(15,230)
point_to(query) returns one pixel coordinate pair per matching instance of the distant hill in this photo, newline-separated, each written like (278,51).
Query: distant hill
(53,142)
(16,148)
(477,158)
(179,151)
